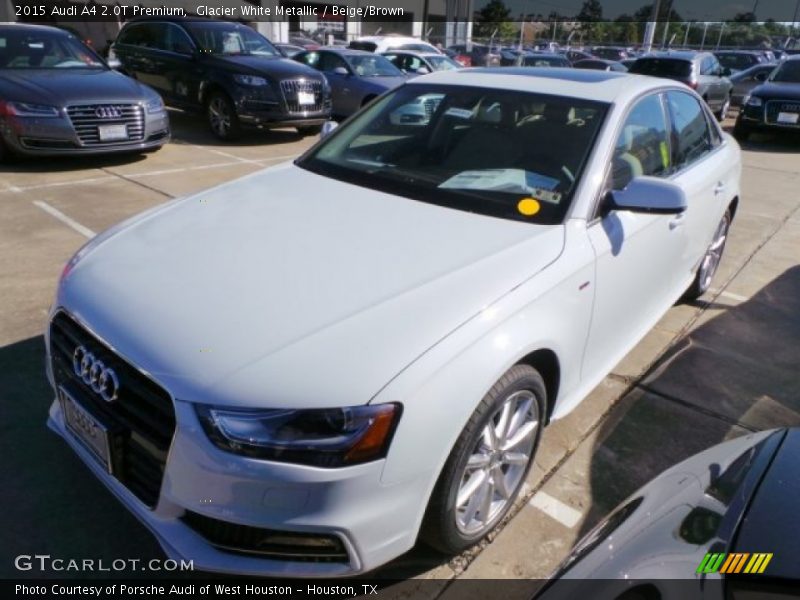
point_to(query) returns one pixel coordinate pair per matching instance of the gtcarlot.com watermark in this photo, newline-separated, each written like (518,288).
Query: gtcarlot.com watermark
(46,562)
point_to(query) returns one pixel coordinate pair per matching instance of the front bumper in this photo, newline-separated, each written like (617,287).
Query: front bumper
(262,109)
(763,117)
(373,522)
(57,136)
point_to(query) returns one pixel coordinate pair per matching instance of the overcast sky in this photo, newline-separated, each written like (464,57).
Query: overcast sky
(711,10)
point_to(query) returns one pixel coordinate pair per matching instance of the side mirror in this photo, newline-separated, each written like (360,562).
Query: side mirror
(423,70)
(341,71)
(327,128)
(649,195)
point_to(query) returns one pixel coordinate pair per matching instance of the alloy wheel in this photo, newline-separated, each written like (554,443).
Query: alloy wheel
(497,464)
(219,116)
(714,254)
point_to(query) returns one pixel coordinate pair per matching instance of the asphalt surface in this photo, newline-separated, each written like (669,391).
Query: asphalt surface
(709,371)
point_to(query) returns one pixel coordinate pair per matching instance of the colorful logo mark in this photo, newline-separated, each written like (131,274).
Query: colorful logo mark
(735,562)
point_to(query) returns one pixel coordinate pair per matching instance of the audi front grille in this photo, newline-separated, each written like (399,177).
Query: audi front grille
(141,420)
(775,107)
(87,118)
(290,89)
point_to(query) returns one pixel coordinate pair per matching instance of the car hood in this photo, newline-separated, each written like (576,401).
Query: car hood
(59,87)
(771,89)
(276,67)
(287,288)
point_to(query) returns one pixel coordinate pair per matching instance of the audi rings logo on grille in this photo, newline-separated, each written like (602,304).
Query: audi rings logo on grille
(95,374)
(791,107)
(108,112)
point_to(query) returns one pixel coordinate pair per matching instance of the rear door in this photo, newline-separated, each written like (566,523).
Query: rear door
(706,170)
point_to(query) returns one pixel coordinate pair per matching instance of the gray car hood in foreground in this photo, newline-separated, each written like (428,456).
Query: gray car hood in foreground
(286,288)
(59,87)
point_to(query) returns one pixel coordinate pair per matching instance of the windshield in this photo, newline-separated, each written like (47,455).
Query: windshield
(440,62)
(474,149)
(230,39)
(25,49)
(788,72)
(736,62)
(662,67)
(372,65)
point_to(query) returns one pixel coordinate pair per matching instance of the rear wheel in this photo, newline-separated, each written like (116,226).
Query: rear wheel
(488,463)
(710,263)
(222,118)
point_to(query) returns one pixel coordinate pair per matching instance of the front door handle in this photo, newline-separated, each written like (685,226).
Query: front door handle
(678,221)
(719,188)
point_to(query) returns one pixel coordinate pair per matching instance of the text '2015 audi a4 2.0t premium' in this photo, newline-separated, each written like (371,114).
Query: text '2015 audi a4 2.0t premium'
(303,371)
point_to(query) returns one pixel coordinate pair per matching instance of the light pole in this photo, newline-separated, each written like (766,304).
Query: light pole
(686,35)
(721,29)
(650,30)
(705,30)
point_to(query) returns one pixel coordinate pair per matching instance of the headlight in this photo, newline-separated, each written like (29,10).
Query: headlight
(251,80)
(333,437)
(753,101)
(154,105)
(26,109)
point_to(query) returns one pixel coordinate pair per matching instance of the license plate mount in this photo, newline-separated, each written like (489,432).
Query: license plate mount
(86,428)
(788,117)
(112,133)
(305,98)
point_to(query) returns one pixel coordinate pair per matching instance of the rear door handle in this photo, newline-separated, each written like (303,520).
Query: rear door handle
(678,221)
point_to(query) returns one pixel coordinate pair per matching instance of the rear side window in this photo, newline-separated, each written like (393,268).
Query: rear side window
(691,135)
(662,67)
(643,144)
(145,35)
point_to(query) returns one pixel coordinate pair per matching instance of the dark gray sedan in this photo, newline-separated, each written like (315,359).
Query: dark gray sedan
(355,76)
(58,97)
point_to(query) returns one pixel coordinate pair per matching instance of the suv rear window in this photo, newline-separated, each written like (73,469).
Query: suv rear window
(366,46)
(662,67)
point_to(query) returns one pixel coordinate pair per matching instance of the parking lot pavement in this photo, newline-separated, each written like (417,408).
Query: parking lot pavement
(709,371)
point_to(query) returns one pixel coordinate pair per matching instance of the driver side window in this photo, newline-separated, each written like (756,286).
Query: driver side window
(642,147)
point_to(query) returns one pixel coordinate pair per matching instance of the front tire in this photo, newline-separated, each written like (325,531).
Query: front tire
(710,263)
(222,117)
(309,130)
(722,113)
(488,464)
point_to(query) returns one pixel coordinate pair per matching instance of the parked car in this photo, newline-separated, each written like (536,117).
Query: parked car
(574,56)
(356,77)
(699,70)
(600,64)
(303,41)
(480,55)
(509,56)
(227,70)
(385,43)
(775,104)
(542,59)
(739,60)
(744,81)
(628,62)
(418,63)
(289,50)
(721,524)
(58,97)
(463,59)
(461,283)
(615,53)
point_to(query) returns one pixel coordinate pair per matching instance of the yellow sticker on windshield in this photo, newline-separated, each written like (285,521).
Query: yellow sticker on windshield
(528,206)
(664,154)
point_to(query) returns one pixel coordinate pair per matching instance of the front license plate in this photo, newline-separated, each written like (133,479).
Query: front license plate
(86,428)
(305,98)
(110,133)
(787,117)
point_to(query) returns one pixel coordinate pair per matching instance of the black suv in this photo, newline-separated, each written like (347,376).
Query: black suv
(701,71)
(227,70)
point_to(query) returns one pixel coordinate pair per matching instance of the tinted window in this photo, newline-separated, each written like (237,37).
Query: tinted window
(788,72)
(643,145)
(736,62)
(230,39)
(690,130)
(330,62)
(177,40)
(144,35)
(663,67)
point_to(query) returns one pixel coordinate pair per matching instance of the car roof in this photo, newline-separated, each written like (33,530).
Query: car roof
(32,27)
(676,54)
(604,86)
(756,52)
(343,50)
(412,52)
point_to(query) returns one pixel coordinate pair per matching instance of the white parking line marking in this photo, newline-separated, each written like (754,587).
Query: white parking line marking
(733,296)
(84,231)
(41,186)
(555,509)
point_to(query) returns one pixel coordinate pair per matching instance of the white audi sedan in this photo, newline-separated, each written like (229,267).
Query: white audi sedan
(304,371)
